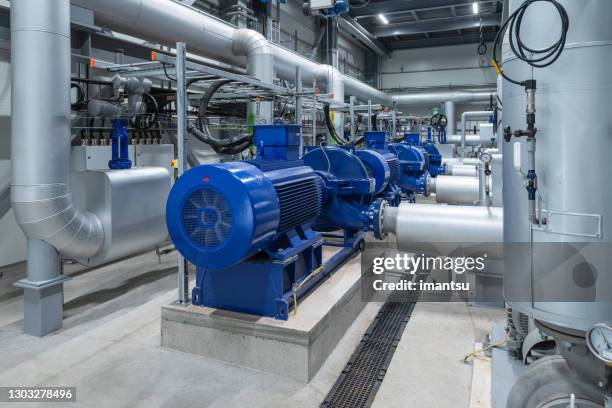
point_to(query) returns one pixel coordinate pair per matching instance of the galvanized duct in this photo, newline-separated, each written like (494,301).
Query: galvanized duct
(40,188)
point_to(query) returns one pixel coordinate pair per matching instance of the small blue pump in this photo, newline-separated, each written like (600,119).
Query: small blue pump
(248,226)
(435,166)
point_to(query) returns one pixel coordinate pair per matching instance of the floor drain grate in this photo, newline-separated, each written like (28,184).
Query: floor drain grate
(359,381)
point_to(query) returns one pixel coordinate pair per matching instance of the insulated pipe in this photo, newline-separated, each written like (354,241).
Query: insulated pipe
(464,116)
(169,21)
(449,111)
(470,140)
(40,187)
(436,98)
(455,189)
(466,161)
(461,170)
(431,223)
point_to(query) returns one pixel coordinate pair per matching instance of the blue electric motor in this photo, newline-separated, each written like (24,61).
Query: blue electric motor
(414,162)
(248,226)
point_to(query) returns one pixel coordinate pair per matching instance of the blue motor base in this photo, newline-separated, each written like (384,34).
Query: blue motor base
(263,284)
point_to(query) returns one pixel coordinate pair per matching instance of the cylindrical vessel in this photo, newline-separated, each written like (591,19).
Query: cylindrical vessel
(575,206)
(221,214)
(454,189)
(431,223)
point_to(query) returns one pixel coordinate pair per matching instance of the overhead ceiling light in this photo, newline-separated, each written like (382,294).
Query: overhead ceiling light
(383,19)
(475,7)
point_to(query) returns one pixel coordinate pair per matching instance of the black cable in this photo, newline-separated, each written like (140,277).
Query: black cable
(166,73)
(330,127)
(540,58)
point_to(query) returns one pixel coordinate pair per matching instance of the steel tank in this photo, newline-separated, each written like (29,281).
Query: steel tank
(574,147)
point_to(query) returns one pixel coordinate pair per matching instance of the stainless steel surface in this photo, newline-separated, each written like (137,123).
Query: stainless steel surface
(575,87)
(94,157)
(455,189)
(131,205)
(41,193)
(433,223)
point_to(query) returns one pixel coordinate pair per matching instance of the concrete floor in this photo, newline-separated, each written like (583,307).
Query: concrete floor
(109,349)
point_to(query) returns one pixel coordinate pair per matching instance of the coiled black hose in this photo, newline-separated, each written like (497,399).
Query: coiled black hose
(537,58)
(202,133)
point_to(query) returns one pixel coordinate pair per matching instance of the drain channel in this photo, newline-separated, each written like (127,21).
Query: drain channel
(358,383)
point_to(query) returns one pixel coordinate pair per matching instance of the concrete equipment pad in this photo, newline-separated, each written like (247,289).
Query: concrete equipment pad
(295,348)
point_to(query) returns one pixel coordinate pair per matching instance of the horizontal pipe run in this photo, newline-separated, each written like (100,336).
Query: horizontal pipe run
(432,223)
(455,189)
(461,170)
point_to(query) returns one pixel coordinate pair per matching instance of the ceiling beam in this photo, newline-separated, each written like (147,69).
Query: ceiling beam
(355,29)
(439,41)
(408,6)
(435,25)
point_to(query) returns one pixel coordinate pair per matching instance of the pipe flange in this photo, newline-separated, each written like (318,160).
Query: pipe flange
(378,211)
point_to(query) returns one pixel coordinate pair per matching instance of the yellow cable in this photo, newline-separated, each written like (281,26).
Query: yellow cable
(490,346)
(497,68)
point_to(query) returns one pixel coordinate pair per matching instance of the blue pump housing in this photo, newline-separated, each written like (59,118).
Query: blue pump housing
(378,142)
(414,162)
(435,166)
(248,225)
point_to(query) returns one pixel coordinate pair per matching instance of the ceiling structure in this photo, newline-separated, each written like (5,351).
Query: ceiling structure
(426,23)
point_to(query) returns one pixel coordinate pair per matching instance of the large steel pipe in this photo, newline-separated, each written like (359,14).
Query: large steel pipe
(455,189)
(432,223)
(461,170)
(40,188)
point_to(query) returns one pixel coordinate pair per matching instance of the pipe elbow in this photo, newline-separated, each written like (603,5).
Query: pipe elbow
(247,42)
(47,212)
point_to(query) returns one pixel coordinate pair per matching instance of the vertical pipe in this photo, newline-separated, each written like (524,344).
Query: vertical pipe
(369,116)
(464,116)
(449,111)
(314,117)
(298,103)
(181,124)
(43,290)
(352,116)
(393,115)
(483,199)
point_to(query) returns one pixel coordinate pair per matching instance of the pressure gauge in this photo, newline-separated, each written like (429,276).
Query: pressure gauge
(599,340)
(486,157)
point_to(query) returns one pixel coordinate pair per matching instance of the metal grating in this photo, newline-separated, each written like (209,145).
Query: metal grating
(359,381)
(206,218)
(300,202)
(394,169)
